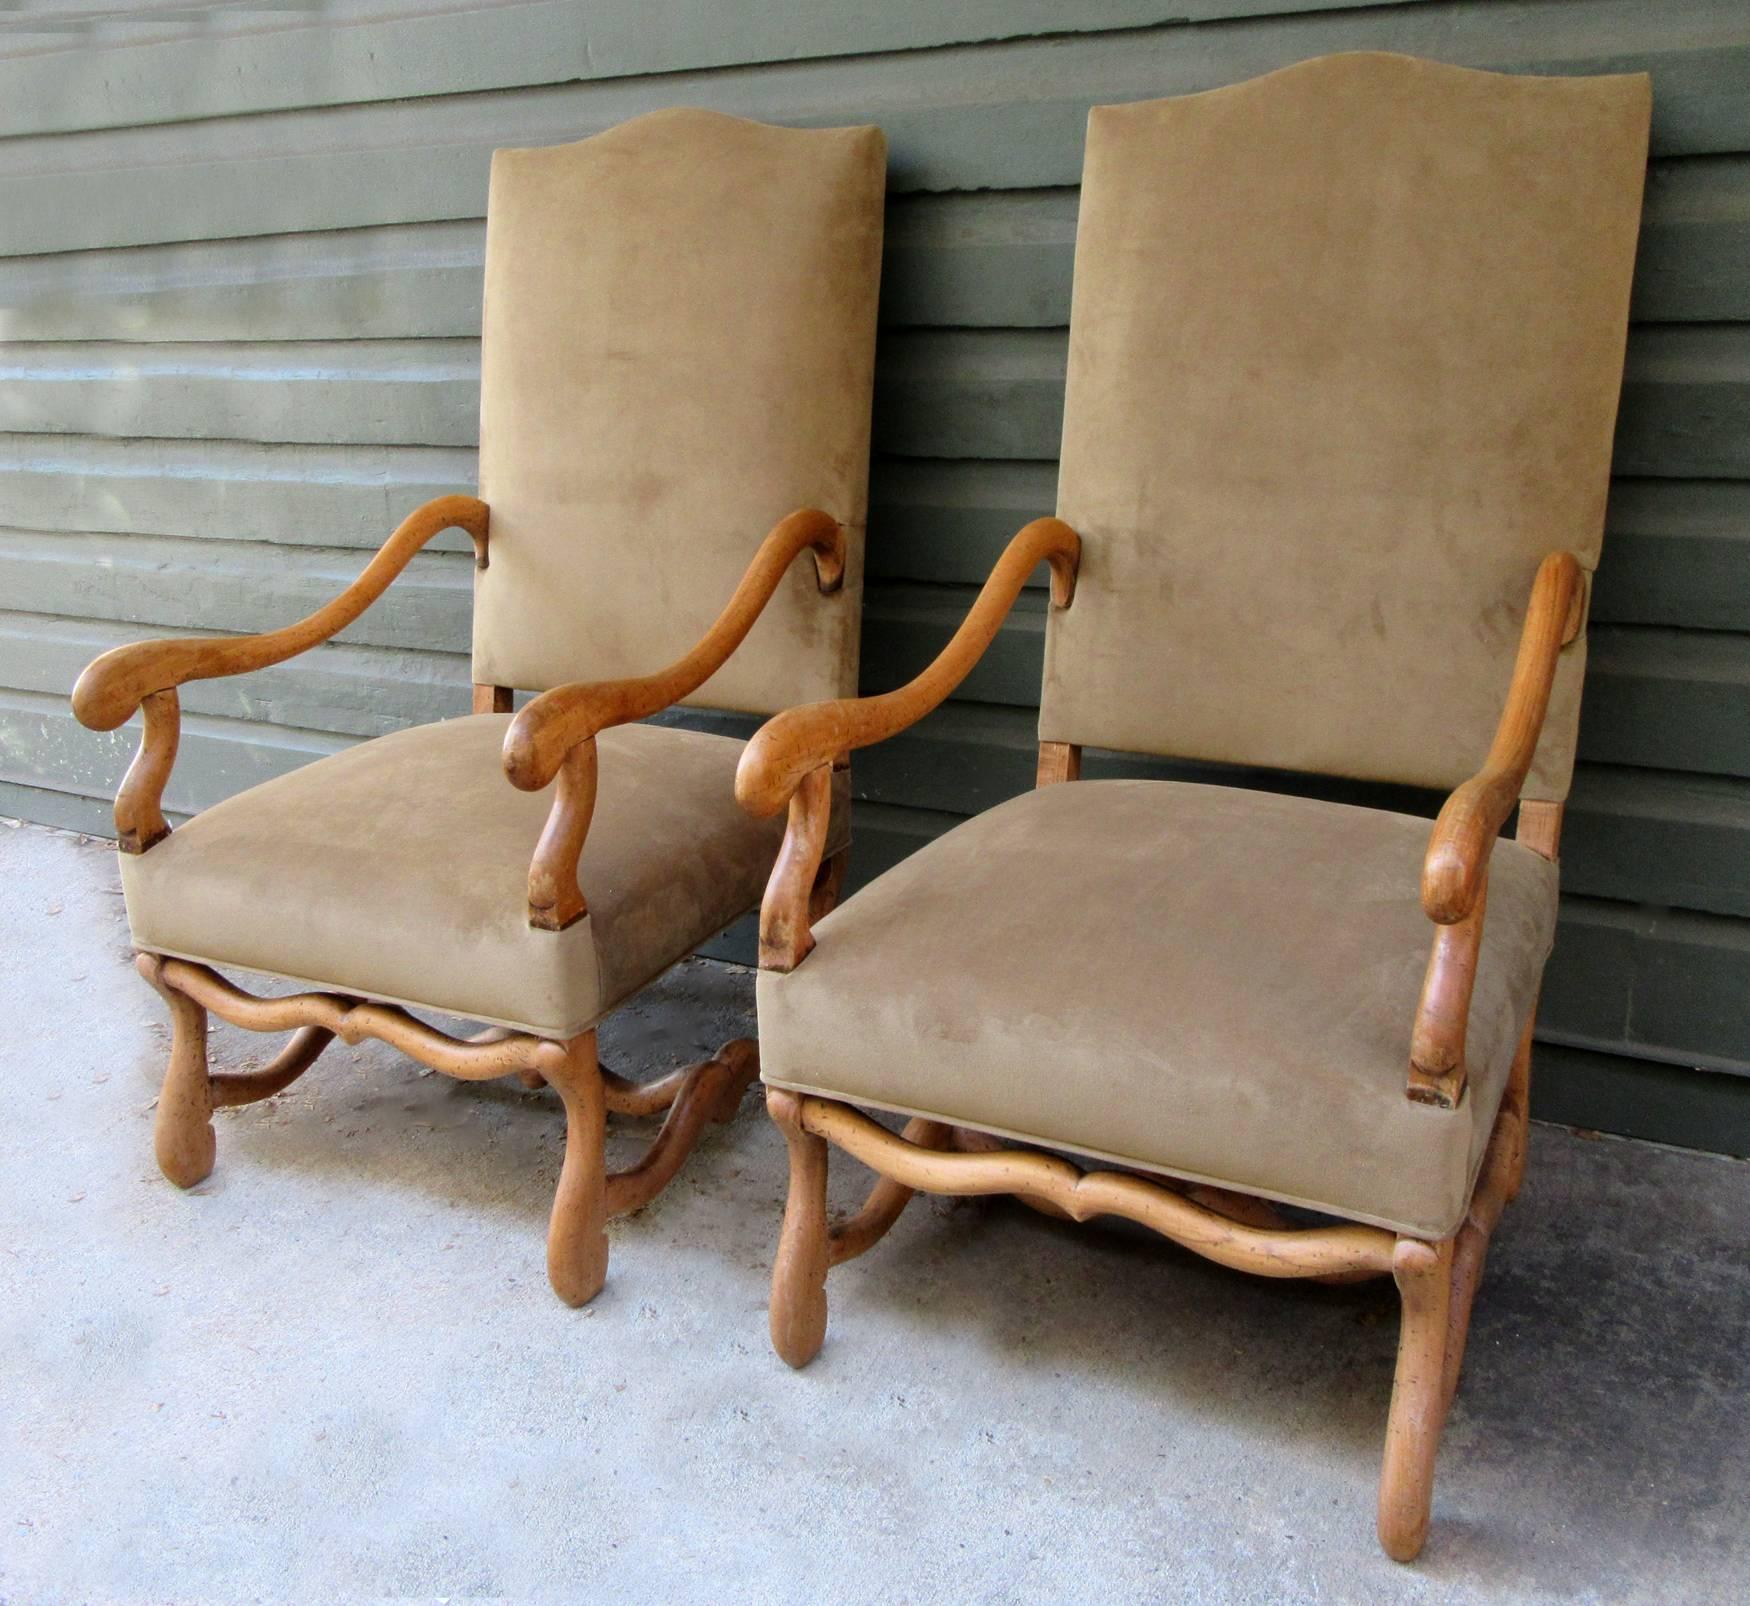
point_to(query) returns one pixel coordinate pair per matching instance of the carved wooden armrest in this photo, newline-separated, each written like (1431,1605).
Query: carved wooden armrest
(145,674)
(554,736)
(1455,872)
(791,757)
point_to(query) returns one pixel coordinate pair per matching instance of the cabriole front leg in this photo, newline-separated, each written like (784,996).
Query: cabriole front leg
(577,1239)
(183,1132)
(1419,1396)
(798,1314)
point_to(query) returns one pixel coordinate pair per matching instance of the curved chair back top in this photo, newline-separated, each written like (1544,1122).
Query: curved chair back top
(1345,352)
(678,350)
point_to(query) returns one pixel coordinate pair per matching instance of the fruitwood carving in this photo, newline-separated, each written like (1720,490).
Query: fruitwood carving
(554,736)
(1082,1195)
(1456,868)
(887,1199)
(1458,851)
(1437,1282)
(555,898)
(587,1195)
(790,758)
(788,746)
(148,672)
(786,913)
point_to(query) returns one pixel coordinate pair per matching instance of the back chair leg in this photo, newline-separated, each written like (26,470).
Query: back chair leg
(577,1239)
(183,1132)
(798,1316)
(1419,1396)
(709,1091)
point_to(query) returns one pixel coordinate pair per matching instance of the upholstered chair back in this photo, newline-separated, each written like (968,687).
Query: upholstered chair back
(1345,353)
(679,338)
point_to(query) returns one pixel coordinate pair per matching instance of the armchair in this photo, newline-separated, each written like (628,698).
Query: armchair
(1325,505)
(624,482)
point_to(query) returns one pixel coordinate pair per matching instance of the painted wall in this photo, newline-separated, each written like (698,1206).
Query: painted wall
(239,302)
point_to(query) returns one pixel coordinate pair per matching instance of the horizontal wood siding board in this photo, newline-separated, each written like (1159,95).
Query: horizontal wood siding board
(1001,116)
(344,690)
(988,259)
(68,811)
(1648,836)
(1677,1104)
(43,746)
(402,281)
(1667,699)
(538,42)
(367,392)
(1671,985)
(948,393)
(1675,553)
(347,495)
(1693,265)
(225,587)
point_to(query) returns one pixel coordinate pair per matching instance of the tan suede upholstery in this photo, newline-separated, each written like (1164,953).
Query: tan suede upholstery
(1208,982)
(398,870)
(1344,363)
(679,344)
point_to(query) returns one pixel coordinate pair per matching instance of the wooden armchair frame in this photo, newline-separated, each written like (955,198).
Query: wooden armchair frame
(788,760)
(553,738)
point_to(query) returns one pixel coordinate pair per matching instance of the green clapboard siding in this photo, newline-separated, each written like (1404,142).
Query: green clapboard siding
(239,312)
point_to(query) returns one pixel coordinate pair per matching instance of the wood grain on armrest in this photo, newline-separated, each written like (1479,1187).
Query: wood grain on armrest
(555,735)
(114,685)
(147,673)
(799,740)
(1458,851)
(1455,872)
(556,721)
(791,757)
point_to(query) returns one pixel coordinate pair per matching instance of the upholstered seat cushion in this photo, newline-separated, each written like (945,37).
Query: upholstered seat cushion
(398,870)
(1213,983)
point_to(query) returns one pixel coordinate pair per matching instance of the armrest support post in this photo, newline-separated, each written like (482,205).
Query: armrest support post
(555,735)
(791,757)
(145,674)
(116,683)
(786,912)
(556,721)
(788,746)
(1455,872)
(139,813)
(555,898)
(1473,815)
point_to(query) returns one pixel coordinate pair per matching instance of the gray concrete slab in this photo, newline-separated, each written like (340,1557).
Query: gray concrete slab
(335,1368)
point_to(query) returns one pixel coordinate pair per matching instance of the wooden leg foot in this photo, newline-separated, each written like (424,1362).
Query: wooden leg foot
(183,1133)
(798,1314)
(1419,1396)
(577,1240)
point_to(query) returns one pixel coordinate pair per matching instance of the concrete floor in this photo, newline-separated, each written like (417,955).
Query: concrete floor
(335,1368)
